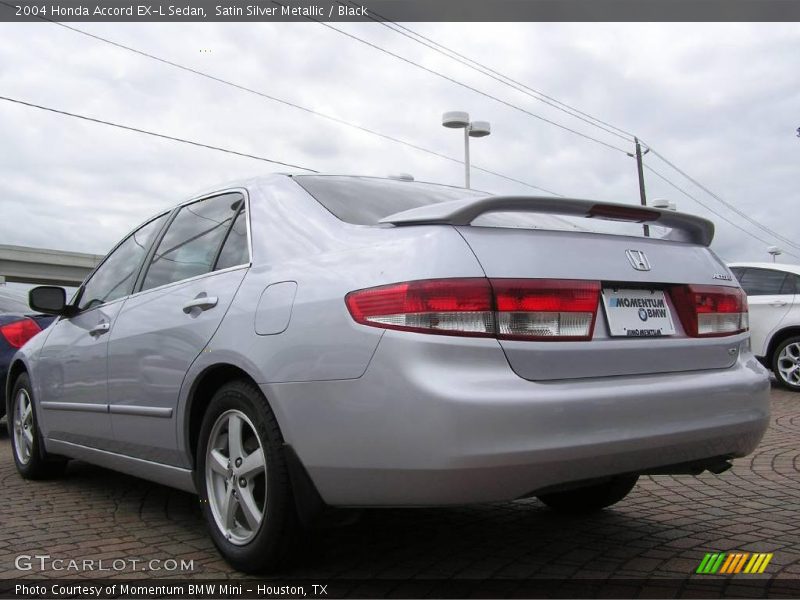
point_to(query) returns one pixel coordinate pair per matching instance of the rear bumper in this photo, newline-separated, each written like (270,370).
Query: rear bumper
(438,420)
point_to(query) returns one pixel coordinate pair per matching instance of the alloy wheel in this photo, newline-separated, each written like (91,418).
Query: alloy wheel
(23,426)
(789,364)
(236,477)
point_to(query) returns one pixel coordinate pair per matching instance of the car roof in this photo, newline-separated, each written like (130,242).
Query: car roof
(787,268)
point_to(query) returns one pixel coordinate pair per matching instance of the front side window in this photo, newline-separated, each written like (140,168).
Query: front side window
(191,243)
(117,274)
(762,282)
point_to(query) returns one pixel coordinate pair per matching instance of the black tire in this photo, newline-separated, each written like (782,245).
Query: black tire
(795,343)
(274,540)
(591,498)
(31,461)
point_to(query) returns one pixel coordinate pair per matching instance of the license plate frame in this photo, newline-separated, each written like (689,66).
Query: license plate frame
(637,312)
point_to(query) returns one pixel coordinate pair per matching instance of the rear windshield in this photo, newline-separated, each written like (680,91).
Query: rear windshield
(11,302)
(366,200)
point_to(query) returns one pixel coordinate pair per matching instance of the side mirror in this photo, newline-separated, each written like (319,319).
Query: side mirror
(48,299)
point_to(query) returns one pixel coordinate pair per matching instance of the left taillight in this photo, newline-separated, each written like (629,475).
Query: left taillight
(445,306)
(519,309)
(711,310)
(19,332)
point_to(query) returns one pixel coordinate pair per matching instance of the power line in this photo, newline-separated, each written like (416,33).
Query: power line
(154,134)
(466,86)
(497,76)
(708,208)
(295,105)
(728,205)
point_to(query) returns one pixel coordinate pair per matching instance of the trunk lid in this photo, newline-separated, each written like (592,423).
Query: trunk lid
(536,254)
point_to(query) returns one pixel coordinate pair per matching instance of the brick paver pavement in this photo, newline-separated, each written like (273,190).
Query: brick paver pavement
(662,529)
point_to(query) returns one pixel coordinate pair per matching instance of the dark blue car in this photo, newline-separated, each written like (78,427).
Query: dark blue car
(18,324)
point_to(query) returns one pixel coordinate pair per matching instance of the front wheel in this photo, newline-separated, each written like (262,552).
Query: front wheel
(786,364)
(591,498)
(31,460)
(243,480)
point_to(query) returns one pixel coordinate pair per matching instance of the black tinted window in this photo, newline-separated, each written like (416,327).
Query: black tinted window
(116,276)
(791,285)
(234,250)
(738,272)
(192,240)
(762,282)
(365,201)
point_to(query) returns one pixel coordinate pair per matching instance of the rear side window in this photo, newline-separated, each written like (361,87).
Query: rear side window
(791,285)
(762,282)
(366,200)
(234,251)
(117,274)
(192,241)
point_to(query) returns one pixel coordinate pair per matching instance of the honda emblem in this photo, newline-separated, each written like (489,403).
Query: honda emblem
(638,260)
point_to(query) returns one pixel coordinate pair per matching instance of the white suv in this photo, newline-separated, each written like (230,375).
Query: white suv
(773,292)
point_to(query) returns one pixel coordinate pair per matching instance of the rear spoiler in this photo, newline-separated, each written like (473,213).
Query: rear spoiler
(685,228)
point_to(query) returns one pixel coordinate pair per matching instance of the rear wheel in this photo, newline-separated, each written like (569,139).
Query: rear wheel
(29,456)
(592,497)
(243,480)
(786,363)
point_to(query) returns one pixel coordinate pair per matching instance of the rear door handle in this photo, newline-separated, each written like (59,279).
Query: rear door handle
(202,302)
(100,328)
(778,303)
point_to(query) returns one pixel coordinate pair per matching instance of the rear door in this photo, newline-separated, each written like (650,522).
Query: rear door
(183,294)
(770,294)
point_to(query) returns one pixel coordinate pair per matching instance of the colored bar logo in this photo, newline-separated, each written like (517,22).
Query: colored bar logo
(733,563)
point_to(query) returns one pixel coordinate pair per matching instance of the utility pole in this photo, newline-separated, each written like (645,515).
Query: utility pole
(640,169)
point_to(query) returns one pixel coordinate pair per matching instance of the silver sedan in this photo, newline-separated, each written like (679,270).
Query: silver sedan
(288,345)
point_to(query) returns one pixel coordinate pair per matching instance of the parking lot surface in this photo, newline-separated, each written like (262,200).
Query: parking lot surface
(663,529)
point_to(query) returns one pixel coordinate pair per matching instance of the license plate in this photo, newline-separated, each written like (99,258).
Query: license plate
(637,313)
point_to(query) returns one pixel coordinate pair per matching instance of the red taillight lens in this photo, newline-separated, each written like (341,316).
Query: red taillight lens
(711,310)
(19,332)
(447,306)
(527,309)
(545,309)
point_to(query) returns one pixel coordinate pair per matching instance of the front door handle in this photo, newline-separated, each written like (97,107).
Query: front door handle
(201,302)
(100,328)
(778,303)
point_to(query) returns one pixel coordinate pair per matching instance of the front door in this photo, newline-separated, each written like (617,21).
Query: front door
(73,364)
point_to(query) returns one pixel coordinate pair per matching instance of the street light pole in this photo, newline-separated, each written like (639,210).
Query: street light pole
(460,120)
(466,157)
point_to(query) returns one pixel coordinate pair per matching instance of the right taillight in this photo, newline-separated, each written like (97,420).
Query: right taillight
(711,310)
(545,309)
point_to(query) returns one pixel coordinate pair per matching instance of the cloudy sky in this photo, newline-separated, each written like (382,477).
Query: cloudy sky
(721,101)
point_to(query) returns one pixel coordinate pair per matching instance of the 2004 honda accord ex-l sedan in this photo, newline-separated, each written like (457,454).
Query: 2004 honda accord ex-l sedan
(293,343)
